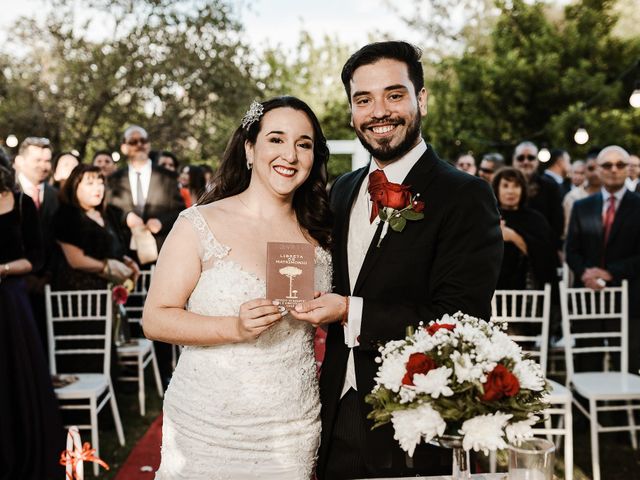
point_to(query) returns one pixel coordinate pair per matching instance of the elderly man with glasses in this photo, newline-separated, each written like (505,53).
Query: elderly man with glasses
(603,242)
(544,194)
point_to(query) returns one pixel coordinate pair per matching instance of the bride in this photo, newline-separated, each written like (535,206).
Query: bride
(243,401)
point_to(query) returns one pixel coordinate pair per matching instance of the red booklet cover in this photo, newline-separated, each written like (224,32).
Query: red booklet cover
(290,272)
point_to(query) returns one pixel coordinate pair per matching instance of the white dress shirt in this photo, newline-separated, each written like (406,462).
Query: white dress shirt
(27,187)
(554,176)
(605,199)
(145,179)
(360,235)
(631,184)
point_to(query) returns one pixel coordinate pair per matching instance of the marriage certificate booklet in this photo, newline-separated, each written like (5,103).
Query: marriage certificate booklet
(290,272)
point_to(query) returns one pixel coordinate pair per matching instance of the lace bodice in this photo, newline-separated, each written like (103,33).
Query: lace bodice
(246,410)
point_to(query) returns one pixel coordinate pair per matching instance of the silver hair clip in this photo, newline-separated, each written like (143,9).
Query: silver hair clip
(254,113)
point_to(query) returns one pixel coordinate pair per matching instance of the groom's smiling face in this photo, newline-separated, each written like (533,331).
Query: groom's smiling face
(385,109)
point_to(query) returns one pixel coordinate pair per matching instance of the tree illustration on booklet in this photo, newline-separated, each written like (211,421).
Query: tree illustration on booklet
(291,273)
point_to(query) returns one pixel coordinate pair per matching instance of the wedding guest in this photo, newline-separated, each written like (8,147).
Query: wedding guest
(168,161)
(543,193)
(208,294)
(192,183)
(33,165)
(590,186)
(208,174)
(86,231)
(529,259)
(104,161)
(466,163)
(62,165)
(557,168)
(31,434)
(429,268)
(146,195)
(490,163)
(577,174)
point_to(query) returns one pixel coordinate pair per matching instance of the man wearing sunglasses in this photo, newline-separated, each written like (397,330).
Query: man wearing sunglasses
(490,164)
(603,242)
(544,194)
(146,195)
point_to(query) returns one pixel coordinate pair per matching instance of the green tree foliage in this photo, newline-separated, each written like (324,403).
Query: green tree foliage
(538,78)
(177,68)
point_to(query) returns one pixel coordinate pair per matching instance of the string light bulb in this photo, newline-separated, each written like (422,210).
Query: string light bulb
(544,155)
(581,136)
(12,141)
(115,156)
(634,99)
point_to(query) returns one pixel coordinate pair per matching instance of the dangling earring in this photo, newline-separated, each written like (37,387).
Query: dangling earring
(249,165)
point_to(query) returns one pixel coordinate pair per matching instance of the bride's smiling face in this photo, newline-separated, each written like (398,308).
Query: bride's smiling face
(282,155)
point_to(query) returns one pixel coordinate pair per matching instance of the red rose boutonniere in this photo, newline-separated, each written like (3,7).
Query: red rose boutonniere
(394,205)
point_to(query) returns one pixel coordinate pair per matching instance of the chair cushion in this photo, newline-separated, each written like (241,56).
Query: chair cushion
(88,385)
(143,345)
(607,385)
(558,393)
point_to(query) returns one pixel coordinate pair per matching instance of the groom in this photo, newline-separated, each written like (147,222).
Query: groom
(447,261)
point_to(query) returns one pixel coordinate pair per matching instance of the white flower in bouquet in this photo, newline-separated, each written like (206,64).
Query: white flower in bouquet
(434,383)
(518,431)
(529,375)
(485,432)
(416,424)
(458,375)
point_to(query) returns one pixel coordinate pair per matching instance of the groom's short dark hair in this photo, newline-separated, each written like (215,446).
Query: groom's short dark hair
(394,50)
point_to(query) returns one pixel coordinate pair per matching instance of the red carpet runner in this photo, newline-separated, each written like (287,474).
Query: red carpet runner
(146,453)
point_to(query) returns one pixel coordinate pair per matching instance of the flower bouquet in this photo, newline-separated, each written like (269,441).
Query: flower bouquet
(459,382)
(120,295)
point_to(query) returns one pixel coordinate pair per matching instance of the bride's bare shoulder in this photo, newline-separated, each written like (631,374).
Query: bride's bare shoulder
(218,210)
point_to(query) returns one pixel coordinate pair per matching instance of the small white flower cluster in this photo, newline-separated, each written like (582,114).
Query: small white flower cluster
(468,350)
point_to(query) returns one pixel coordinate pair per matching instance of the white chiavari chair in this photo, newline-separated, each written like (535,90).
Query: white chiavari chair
(595,322)
(139,354)
(527,314)
(79,327)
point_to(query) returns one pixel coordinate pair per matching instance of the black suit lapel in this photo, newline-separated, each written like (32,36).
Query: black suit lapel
(418,178)
(621,214)
(154,195)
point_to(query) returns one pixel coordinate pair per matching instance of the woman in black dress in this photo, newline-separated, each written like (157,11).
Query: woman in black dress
(530,259)
(31,433)
(85,230)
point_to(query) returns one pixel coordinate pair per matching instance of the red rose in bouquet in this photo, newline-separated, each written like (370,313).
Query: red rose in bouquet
(500,383)
(434,327)
(418,363)
(120,294)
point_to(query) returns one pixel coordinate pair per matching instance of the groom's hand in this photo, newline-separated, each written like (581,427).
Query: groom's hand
(327,308)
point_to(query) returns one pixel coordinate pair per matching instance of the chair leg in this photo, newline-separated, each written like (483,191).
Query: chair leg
(141,399)
(595,456)
(493,461)
(95,438)
(116,414)
(568,442)
(561,420)
(548,425)
(156,372)
(632,424)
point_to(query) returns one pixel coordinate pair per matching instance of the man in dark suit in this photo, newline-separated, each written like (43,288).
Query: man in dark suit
(447,261)
(557,169)
(544,194)
(146,196)
(33,166)
(603,241)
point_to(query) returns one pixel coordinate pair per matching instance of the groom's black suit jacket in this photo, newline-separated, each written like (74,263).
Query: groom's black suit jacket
(446,262)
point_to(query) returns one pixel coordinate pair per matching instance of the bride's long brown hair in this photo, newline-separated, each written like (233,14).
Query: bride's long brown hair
(310,201)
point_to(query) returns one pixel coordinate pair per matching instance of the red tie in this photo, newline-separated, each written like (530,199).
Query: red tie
(377,179)
(609,216)
(36,196)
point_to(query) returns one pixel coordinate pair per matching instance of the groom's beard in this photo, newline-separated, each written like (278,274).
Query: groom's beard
(384,151)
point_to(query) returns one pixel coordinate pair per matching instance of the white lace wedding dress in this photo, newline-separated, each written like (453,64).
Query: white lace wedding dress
(247,410)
